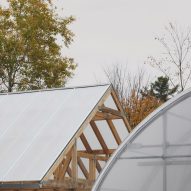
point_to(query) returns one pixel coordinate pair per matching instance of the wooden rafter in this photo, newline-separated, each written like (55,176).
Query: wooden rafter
(99,137)
(98,151)
(69,171)
(60,172)
(89,150)
(83,168)
(64,169)
(85,143)
(119,107)
(114,131)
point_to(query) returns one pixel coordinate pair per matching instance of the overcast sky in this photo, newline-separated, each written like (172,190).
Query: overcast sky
(118,31)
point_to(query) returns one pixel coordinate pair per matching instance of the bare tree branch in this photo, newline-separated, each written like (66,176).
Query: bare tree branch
(176,63)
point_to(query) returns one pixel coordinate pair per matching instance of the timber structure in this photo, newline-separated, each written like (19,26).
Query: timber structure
(71,164)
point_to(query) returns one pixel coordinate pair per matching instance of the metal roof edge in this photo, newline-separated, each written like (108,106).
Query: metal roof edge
(53,89)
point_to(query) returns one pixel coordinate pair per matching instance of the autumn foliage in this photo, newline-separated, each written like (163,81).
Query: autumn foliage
(139,105)
(30,55)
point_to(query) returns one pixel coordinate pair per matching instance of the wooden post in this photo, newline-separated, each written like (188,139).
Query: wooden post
(74,162)
(92,169)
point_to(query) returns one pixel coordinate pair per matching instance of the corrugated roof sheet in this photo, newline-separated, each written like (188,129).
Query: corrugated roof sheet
(35,128)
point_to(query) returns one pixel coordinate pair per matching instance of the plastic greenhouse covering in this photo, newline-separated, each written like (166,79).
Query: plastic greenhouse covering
(157,154)
(36,126)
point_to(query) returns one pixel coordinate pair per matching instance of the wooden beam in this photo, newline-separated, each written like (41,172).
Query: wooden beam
(59,173)
(83,168)
(110,111)
(114,131)
(92,156)
(98,166)
(65,167)
(85,143)
(99,137)
(69,171)
(66,185)
(98,151)
(118,104)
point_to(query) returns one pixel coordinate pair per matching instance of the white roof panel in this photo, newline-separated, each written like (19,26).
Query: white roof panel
(37,126)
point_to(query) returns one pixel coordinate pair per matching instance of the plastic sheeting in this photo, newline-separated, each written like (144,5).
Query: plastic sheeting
(35,128)
(156,155)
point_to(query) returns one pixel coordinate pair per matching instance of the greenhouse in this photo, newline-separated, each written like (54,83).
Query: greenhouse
(156,156)
(58,139)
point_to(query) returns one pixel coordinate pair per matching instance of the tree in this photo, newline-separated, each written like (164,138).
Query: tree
(124,82)
(30,57)
(139,107)
(160,89)
(174,63)
(133,92)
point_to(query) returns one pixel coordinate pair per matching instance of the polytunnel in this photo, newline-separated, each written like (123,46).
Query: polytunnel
(156,155)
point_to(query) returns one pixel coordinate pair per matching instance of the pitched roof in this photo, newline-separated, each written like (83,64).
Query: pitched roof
(37,126)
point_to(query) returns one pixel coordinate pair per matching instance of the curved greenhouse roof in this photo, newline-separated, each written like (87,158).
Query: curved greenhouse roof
(157,154)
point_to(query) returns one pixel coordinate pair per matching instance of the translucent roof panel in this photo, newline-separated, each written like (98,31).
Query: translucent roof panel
(156,155)
(37,126)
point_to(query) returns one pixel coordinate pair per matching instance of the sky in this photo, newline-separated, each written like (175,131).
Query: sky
(122,32)
(109,32)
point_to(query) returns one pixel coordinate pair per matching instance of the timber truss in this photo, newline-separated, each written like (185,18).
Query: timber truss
(74,163)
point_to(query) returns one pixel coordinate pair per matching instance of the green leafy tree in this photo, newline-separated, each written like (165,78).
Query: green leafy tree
(161,90)
(30,56)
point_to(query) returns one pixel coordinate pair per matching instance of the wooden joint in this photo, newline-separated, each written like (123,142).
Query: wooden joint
(104,116)
(111,111)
